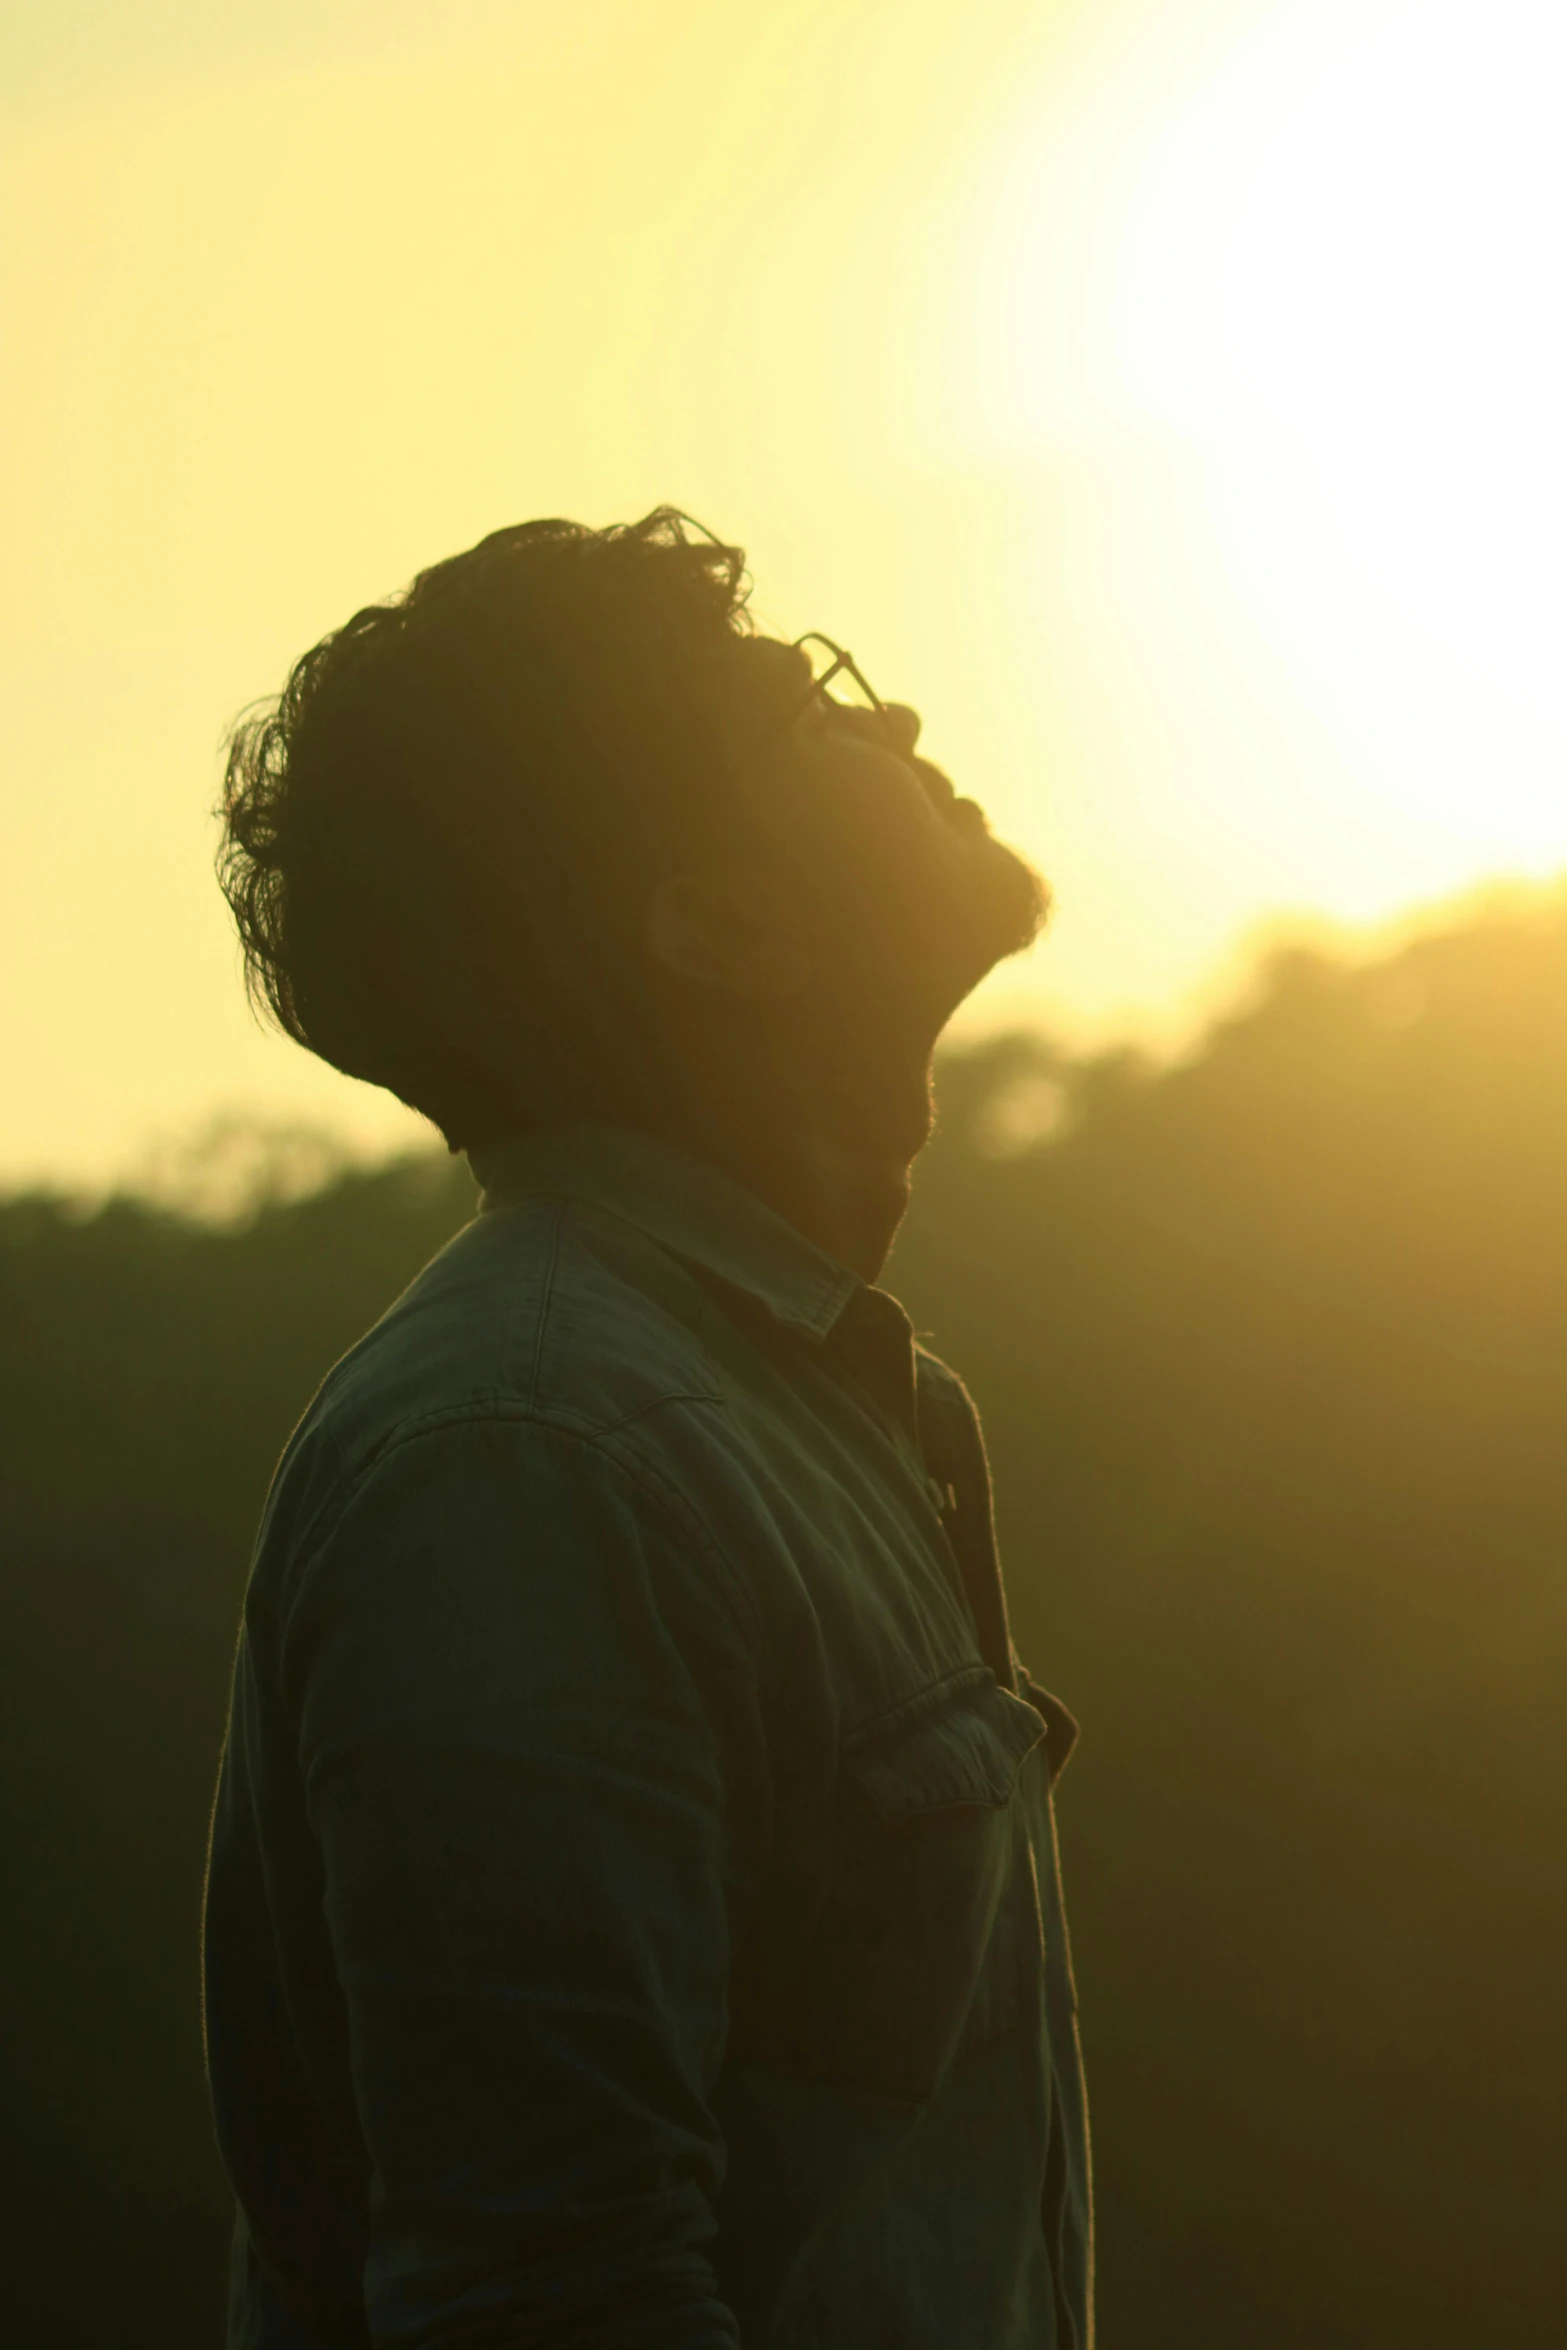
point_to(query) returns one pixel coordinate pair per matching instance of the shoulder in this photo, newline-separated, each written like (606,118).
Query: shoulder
(942,1395)
(550,1310)
(950,1431)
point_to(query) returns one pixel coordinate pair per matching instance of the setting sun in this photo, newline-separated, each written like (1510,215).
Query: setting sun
(1282,301)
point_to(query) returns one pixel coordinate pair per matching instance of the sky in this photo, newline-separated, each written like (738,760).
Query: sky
(1163,395)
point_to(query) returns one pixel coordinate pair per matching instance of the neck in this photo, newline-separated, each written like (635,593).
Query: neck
(828,1149)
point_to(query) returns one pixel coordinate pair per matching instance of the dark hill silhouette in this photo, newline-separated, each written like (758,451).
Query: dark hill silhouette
(1272,1348)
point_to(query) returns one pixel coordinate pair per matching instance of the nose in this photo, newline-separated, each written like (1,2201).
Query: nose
(903,724)
(939,788)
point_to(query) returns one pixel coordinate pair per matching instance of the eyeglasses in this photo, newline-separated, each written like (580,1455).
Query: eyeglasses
(829,662)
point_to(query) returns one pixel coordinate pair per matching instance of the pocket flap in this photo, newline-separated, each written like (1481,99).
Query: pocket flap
(963,1752)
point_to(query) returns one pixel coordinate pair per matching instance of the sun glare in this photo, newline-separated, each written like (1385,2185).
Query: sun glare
(1309,287)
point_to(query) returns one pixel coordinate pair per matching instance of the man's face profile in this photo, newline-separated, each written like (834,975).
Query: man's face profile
(897,882)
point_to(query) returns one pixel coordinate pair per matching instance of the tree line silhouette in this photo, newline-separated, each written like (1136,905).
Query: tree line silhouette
(1272,1350)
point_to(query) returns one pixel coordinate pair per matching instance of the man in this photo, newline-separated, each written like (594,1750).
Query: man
(633,1916)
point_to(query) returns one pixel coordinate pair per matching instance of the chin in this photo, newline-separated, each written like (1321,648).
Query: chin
(998,914)
(1009,903)
(939,938)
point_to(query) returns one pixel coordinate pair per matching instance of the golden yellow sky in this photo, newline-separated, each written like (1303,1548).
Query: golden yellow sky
(1163,394)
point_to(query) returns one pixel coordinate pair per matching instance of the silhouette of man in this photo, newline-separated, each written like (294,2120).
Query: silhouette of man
(633,1915)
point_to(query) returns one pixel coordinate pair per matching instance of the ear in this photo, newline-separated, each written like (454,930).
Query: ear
(731,929)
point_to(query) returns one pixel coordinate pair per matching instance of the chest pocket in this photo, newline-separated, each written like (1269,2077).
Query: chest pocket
(908,1954)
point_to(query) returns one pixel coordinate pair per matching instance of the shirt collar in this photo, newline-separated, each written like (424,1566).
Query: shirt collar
(685,1205)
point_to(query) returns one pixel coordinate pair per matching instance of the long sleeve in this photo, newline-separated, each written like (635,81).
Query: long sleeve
(528,1737)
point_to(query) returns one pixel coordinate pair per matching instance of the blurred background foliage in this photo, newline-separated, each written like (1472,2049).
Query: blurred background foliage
(1272,1350)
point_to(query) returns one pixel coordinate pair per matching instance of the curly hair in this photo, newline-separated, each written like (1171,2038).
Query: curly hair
(431,837)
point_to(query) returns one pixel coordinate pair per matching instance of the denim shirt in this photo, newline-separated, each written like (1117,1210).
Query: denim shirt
(633,1915)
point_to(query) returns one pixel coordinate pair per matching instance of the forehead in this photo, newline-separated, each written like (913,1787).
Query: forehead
(776,671)
(813,673)
(783,704)
(761,684)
